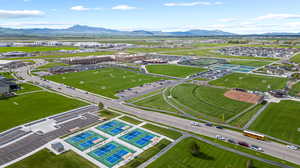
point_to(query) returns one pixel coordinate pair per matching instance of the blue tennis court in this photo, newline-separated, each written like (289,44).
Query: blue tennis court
(113,127)
(232,67)
(138,138)
(111,153)
(85,140)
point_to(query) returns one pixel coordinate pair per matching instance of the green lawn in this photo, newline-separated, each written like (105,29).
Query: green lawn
(242,120)
(46,159)
(209,157)
(26,87)
(174,70)
(296,58)
(151,50)
(108,114)
(51,65)
(207,100)
(34,49)
(131,120)
(295,91)
(147,154)
(251,82)
(6,75)
(164,131)
(213,45)
(106,81)
(29,107)
(250,63)
(280,120)
(156,102)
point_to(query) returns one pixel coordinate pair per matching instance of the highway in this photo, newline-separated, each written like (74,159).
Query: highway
(270,148)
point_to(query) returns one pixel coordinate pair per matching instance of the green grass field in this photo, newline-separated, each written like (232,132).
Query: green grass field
(250,63)
(51,65)
(213,45)
(106,82)
(6,75)
(280,120)
(174,70)
(29,107)
(207,100)
(163,131)
(46,159)
(295,91)
(34,49)
(152,50)
(131,120)
(296,58)
(251,82)
(26,87)
(209,157)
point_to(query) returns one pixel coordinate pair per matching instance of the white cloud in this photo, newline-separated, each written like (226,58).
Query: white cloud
(124,7)
(79,8)
(20,13)
(278,16)
(35,24)
(197,3)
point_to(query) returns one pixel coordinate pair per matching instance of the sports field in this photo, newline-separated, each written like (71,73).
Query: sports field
(251,82)
(46,159)
(207,157)
(207,100)
(280,120)
(114,127)
(29,107)
(106,82)
(138,138)
(174,70)
(250,63)
(85,140)
(34,49)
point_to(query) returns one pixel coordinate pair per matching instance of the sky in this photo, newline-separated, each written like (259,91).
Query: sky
(236,16)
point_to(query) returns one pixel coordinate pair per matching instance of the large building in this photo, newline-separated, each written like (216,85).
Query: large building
(88,60)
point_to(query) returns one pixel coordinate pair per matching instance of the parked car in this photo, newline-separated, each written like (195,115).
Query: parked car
(245,144)
(231,141)
(256,148)
(195,123)
(219,127)
(219,137)
(292,147)
(209,124)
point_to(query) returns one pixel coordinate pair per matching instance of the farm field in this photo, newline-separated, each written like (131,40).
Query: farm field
(34,49)
(250,63)
(174,70)
(106,81)
(251,82)
(295,91)
(29,107)
(46,159)
(280,120)
(208,157)
(208,101)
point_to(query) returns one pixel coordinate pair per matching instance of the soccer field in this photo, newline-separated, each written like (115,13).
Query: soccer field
(29,107)
(209,157)
(207,100)
(251,82)
(106,81)
(280,120)
(174,70)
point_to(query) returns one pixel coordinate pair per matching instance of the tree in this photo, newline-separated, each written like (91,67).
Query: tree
(195,149)
(100,105)
(249,164)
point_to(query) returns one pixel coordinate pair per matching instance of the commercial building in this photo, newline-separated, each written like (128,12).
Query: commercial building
(88,60)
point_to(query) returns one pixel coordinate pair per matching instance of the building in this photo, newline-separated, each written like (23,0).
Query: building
(124,57)
(88,60)
(58,147)
(10,64)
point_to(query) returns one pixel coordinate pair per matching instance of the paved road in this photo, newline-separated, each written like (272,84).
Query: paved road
(270,148)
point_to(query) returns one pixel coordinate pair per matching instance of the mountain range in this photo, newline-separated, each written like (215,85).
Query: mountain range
(80,30)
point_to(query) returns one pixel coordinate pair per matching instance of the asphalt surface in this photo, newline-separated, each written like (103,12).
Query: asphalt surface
(270,148)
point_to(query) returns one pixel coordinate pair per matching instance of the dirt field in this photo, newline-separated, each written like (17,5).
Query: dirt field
(243,96)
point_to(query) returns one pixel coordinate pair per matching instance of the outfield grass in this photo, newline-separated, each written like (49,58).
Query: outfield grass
(29,107)
(209,157)
(163,131)
(207,100)
(131,120)
(26,87)
(174,70)
(250,63)
(280,120)
(156,102)
(34,49)
(296,58)
(295,91)
(46,159)
(251,82)
(106,81)
(243,119)
(147,154)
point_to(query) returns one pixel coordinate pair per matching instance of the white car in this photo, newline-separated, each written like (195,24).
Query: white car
(219,137)
(292,147)
(195,123)
(256,148)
